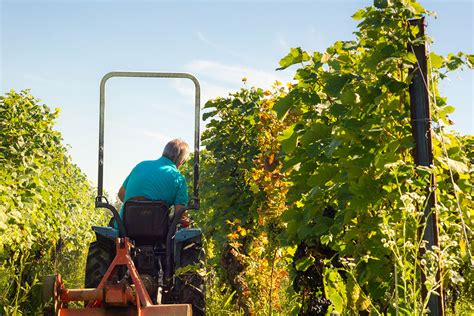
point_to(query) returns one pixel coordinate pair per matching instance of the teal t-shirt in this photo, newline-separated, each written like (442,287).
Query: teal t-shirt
(157,180)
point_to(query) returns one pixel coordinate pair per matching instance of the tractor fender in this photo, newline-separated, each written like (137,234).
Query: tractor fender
(183,238)
(186,234)
(107,232)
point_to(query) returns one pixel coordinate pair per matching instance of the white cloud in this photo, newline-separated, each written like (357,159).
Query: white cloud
(175,112)
(218,79)
(183,89)
(233,74)
(208,90)
(161,137)
(218,47)
(158,136)
(204,39)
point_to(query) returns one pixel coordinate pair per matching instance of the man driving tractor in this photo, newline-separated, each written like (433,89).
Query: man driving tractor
(132,266)
(160,179)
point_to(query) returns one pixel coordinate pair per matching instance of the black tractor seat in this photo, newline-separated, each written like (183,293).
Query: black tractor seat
(146,221)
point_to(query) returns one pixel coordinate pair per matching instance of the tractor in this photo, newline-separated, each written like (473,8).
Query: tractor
(142,263)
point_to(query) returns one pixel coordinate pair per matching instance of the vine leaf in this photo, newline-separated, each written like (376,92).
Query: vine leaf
(304,263)
(359,15)
(288,139)
(457,166)
(436,60)
(335,289)
(470,61)
(334,84)
(296,55)
(283,105)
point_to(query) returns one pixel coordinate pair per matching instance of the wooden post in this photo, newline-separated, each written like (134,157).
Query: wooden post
(423,152)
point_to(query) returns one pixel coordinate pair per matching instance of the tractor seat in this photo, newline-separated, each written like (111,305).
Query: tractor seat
(146,221)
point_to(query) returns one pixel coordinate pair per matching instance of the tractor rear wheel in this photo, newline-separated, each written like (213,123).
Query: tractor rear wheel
(191,284)
(100,256)
(49,295)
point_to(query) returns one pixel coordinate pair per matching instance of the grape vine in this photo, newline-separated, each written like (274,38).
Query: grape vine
(46,205)
(354,198)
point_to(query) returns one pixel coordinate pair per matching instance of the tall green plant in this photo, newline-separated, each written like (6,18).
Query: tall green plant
(243,195)
(46,204)
(351,150)
(356,199)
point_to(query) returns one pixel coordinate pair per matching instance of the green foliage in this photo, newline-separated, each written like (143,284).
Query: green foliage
(296,55)
(345,141)
(351,149)
(46,204)
(243,196)
(229,140)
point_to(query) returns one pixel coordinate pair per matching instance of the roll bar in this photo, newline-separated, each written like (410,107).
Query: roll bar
(141,74)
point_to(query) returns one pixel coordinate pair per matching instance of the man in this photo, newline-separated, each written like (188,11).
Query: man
(160,179)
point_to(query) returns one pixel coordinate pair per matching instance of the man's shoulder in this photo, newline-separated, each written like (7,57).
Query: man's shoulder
(144,163)
(160,167)
(145,166)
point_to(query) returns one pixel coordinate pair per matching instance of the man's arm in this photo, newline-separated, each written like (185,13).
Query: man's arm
(121,193)
(185,221)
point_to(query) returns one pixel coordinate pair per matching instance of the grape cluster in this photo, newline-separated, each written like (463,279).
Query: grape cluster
(311,279)
(317,307)
(310,282)
(329,211)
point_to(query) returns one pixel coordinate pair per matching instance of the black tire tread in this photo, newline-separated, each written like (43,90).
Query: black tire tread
(99,258)
(192,284)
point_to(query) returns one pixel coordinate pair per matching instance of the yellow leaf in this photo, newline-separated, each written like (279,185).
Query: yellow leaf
(271,158)
(232,236)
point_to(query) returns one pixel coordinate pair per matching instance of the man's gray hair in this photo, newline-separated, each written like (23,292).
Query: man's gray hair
(177,151)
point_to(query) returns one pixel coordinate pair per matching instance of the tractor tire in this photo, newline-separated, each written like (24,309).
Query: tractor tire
(48,292)
(100,256)
(191,284)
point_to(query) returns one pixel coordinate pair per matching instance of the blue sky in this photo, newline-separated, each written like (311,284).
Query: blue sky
(61,49)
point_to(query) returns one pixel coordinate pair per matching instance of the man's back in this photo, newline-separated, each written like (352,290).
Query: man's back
(157,180)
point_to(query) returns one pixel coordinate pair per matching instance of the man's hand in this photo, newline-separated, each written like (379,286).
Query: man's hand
(185,221)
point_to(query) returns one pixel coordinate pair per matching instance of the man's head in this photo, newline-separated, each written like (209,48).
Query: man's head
(177,151)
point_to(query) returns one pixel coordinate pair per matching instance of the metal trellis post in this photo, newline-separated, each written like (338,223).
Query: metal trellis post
(423,152)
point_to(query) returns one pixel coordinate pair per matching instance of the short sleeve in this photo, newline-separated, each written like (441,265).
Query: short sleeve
(182,194)
(125,182)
